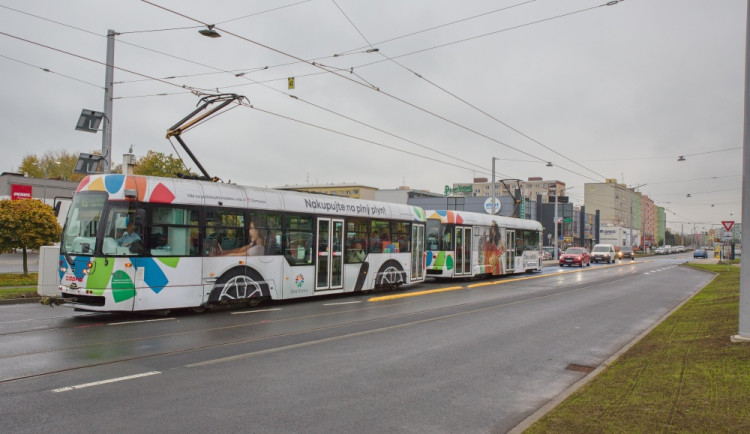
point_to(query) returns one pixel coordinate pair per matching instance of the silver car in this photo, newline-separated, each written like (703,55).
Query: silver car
(603,253)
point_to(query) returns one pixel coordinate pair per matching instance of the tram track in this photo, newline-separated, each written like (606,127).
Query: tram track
(315,335)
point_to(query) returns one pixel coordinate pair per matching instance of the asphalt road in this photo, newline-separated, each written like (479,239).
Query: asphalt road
(475,356)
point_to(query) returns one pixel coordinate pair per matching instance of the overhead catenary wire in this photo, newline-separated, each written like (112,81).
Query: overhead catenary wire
(696,154)
(163,80)
(244,104)
(52,72)
(313,63)
(187,59)
(361,139)
(262,12)
(495,118)
(464,101)
(392,96)
(460,41)
(372,86)
(461,20)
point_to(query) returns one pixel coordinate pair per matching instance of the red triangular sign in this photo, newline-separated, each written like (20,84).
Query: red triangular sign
(728,225)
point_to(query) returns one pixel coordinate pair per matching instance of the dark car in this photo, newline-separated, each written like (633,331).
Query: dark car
(700,253)
(575,256)
(626,252)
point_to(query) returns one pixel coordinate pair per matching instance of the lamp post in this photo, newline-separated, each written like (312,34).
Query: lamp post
(44,194)
(556,255)
(492,187)
(44,198)
(643,229)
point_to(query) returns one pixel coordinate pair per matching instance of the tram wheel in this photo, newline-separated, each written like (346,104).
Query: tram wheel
(239,285)
(390,275)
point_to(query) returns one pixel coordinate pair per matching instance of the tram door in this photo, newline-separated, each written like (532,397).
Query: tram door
(510,246)
(463,251)
(329,262)
(417,252)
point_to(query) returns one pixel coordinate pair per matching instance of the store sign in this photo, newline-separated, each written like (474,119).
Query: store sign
(488,205)
(457,189)
(18,191)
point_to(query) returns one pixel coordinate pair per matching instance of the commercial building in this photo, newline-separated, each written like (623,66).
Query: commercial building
(18,186)
(356,191)
(623,207)
(531,189)
(404,195)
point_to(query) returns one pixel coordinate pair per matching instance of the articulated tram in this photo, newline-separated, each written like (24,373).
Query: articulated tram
(462,244)
(133,243)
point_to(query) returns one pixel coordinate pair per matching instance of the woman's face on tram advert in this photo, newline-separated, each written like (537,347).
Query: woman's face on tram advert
(253,233)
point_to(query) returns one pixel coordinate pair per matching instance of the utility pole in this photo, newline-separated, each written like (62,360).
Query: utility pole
(554,254)
(108,96)
(492,187)
(744,333)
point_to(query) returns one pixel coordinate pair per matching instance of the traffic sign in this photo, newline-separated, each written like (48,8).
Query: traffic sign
(728,224)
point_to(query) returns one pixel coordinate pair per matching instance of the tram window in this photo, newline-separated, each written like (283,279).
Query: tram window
(123,231)
(400,236)
(380,238)
(297,239)
(356,240)
(173,232)
(269,232)
(225,230)
(446,237)
(432,236)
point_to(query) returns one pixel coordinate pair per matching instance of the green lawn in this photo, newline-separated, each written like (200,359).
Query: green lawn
(684,376)
(10,292)
(11,285)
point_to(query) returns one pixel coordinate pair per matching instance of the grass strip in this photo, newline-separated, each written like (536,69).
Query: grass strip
(8,293)
(17,279)
(684,376)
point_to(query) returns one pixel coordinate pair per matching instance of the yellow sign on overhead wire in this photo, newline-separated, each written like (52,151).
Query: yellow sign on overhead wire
(291,82)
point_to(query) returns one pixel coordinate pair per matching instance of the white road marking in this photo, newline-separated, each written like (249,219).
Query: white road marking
(254,311)
(140,321)
(99,383)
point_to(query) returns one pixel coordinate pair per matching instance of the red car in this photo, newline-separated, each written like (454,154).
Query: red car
(575,256)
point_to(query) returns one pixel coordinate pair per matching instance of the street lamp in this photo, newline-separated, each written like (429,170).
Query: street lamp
(44,169)
(643,228)
(556,255)
(209,32)
(492,188)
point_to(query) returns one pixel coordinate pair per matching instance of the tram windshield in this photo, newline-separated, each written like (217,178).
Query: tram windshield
(438,235)
(84,215)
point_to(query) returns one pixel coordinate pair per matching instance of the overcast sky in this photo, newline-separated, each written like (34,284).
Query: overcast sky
(617,91)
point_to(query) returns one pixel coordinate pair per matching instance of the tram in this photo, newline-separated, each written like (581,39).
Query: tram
(461,244)
(133,243)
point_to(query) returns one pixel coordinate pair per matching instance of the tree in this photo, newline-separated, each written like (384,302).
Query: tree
(669,238)
(58,164)
(27,224)
(160,164)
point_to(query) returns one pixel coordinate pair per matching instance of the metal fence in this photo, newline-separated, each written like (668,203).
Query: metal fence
(13,262)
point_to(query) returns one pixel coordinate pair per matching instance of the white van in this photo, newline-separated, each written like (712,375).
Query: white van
(603,253)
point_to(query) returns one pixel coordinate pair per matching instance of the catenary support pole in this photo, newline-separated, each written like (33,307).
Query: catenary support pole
(744,333)
(108,95)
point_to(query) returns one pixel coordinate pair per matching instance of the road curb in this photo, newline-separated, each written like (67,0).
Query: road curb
(23,300)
